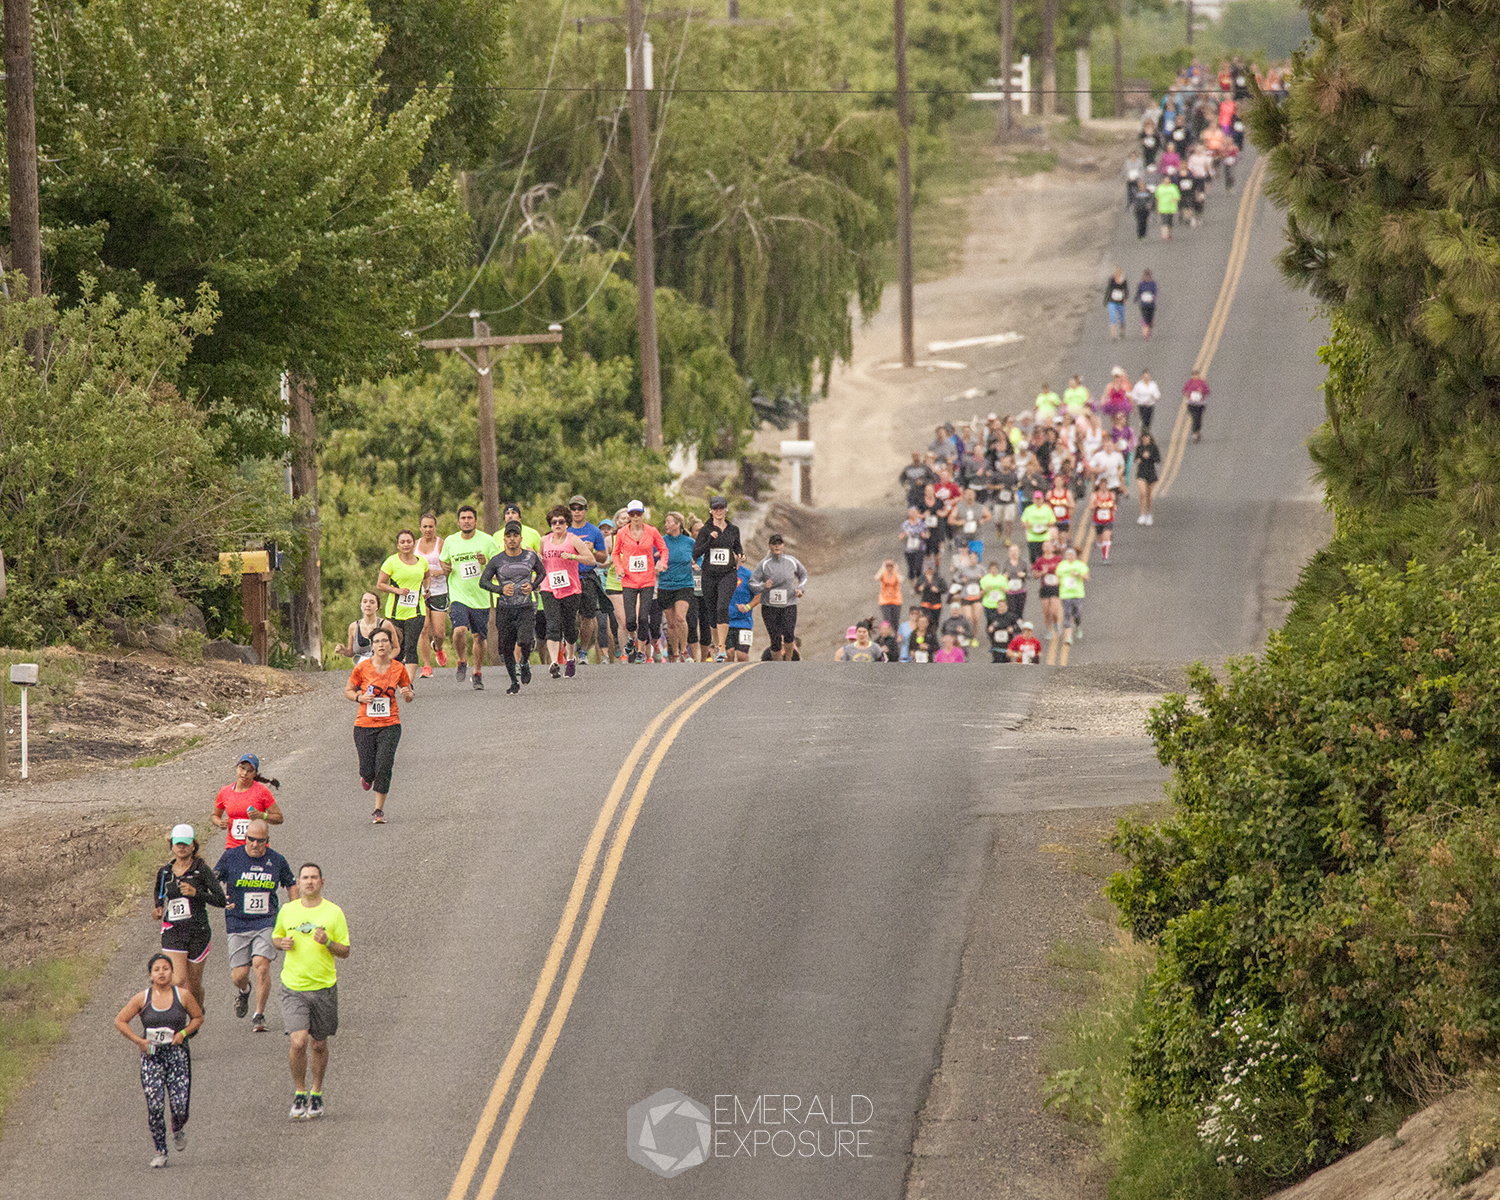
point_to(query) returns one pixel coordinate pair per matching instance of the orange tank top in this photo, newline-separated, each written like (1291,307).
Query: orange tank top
(890,588)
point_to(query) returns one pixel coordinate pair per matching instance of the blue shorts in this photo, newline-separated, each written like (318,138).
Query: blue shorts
(475,620)
(976,547)
(1116,313)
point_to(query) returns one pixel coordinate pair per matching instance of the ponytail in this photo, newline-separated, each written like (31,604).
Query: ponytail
(275,783)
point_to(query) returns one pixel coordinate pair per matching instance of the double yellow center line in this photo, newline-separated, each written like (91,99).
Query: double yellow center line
(1217,322)
(689,702)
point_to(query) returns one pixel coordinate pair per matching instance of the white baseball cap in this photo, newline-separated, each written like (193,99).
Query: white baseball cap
(183,835)
(635,506)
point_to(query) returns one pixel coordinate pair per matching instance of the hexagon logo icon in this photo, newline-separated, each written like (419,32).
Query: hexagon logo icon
(667,1133)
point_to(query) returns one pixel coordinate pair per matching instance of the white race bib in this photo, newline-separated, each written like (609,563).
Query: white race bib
(380,706)
(160,1035)
(776,596)
(1194,397)
(1027,654)
(1005,495)
(257,904)
(919,656)
(931,521)
(469,570)
(970,526)
(636,564)
(745,636)
(1016,585)
(718,557)
(179,908)
(1050,580)
(1148,297)
(558,580)
(237,828)
(1117,295)
(407,599)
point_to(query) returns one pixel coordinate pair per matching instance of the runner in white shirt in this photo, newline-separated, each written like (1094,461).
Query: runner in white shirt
(1109,464)
(1144,395)
(430,547)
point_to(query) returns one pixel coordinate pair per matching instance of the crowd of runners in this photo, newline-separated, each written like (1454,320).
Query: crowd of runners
(247,882)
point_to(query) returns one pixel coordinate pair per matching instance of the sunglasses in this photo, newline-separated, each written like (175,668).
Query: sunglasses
(558,521)
(249,841)
(578,508)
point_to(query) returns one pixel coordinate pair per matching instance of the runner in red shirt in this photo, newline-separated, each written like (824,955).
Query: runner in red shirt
(1024,648)
(1103,503)
(1061,500)
(245,800)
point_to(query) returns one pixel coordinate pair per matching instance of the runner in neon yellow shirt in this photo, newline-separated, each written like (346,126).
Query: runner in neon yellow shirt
(1071,573)
(1047,404)
(1038,519)
(1076,397)
(464,556)
(314,934)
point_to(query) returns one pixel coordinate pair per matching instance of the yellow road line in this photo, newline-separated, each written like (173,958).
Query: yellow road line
(1219,321)
(560,942)
(529,1084)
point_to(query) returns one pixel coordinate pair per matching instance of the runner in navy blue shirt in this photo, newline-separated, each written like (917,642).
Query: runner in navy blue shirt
(593,586)
(251,874)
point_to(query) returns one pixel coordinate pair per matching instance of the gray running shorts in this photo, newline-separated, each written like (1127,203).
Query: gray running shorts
(316,1011)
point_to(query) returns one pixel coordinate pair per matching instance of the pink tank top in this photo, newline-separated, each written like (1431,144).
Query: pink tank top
(437,582)
(561,573)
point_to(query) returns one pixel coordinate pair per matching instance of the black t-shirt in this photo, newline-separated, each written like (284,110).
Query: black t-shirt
(1147,462)
(931,591)
(169,897)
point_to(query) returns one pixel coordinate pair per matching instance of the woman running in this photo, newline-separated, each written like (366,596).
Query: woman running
(1147,467)
(674,590)
(430,547)
(1045,569)
(889,580)
(1144,396)
(185,887)
(403,579)
(246,799)
(639,548)
(923,642)
(613,588)
(1116,293)
(1060,499)
(374,685)
(168,1018)
(562,590)
(914,542)
(357,646)
(1145,298)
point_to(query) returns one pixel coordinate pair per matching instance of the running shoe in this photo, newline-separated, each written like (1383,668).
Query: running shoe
(160,1160)
(556,671)
(638,657)
(241,1002)
(442,659)
(720,656)
(426,673)
(463,671)
(299,1106)
(366,784)
(1078,635)
(525,672)
(1150,518)
(378,817)
(258,1023)
(315,1106)
(478,682)
(514,689)
(179,1139)
(570,670)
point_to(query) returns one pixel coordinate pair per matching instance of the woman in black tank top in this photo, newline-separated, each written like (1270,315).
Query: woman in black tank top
(169,1016)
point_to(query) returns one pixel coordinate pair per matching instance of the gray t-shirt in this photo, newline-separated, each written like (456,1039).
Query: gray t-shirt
(525,567)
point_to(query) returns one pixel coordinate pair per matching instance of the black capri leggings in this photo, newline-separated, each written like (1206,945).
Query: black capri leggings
(515,626)
(562,617)
(655,618)
(1195,411)
(637,607)
(411,633)
(717,591)
(376,747)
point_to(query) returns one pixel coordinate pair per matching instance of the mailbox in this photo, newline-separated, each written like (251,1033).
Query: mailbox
(23,674)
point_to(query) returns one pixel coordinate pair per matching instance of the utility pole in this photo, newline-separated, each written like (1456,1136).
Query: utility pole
(1116,16)
(1049,58)
(903,172)
(307,608)
(20,150)
(481,343)
(645,246)
(1007,53)
(1190,23)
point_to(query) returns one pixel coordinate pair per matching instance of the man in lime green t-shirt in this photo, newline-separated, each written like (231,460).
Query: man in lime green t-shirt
(314,934)
(462,560)
(992,587)
(1168,197)
(1039,520)
(1047,404)
(1071,573)
(1076,397)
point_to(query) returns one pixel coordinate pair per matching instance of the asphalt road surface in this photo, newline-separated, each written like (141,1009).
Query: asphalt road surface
(643,880)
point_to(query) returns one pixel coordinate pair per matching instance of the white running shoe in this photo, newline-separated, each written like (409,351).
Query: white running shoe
(160,1160)
(1150,518)
(1141,520)
(179,1139)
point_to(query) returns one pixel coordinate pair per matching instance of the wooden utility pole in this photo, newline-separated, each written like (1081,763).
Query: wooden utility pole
(1190,23)
(1007,68)
(20,150)
(481,343)
(903,173)
(1117,16)
(1049,58)
(307,605)
(645,245)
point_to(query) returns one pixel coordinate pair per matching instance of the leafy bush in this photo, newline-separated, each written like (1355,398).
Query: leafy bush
(1333,861)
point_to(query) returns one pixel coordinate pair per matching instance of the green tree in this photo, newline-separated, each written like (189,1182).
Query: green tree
(186,143)
(113,496)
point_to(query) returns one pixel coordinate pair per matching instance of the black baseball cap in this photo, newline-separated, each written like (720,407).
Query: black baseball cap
(512,527)
(718,502)
(775,540)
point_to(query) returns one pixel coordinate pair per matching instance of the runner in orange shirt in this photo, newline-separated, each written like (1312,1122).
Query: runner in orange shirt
(889,580)
(374,685)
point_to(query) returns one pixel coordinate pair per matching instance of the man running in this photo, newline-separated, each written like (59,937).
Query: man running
(780,580)
(1071,574)
(513,577)
(718,547)
(1024,647)
(589,599)
(251,873)
(314,934)
(1037,517)
(463,558)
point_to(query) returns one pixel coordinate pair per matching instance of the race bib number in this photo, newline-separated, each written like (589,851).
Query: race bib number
(1027,654)
(557,580)
(919,656)
(1195,397)
(1050,580)
(257,904)
(718,557)
(745,636)
(237,828)
(408,600)
(1148,142)
(1148,297)
(1116,295)
(931,521)
(992,597)
(380,706)
(913,543)
(1005,495)
(777,596)
(636,564)
(160,1035)
(970,526)
(179,909)
(468,570)
(1016,585)
(1060,511)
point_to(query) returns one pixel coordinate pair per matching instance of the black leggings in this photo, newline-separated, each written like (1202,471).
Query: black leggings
(167,1080)
(1196,412)
(562,617)
(655,618)
(411,633)
(377,753)
(781,623)
(717,591)
(515,626)
(1146,412)
(914,559)
(637,607)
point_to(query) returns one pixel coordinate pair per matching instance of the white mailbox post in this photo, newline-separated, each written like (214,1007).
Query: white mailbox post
(24,676)
(800,455)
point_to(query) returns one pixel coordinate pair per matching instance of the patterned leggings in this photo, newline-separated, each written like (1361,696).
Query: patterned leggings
(166,1075)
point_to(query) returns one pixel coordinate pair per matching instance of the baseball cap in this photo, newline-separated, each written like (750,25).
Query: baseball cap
(251,759)
(851,633)
(577,500)
(183,835)
(606,523)
(635,506)
(993,417)
(718,502)
(775,540)
(1027,625)
(512,527)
